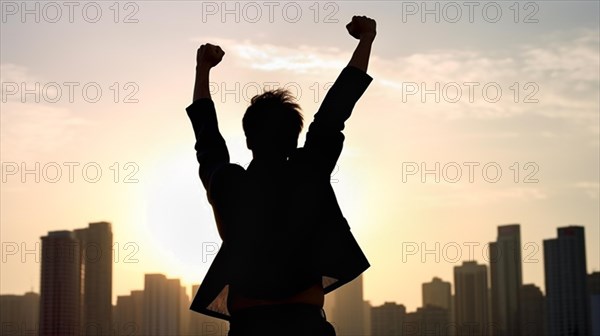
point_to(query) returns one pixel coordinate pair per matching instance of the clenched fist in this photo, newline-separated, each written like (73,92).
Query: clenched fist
(362,26)
(209,55)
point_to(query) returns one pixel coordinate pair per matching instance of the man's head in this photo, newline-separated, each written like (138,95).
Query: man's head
(272,124)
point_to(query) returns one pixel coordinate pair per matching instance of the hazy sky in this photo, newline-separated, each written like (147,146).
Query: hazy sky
(518,91)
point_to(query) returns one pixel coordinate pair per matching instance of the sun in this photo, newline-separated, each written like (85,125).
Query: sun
(180,225)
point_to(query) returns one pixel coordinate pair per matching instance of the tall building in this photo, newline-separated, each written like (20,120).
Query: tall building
(506,280)
(366,318)
(387,319)
(184,311)
(471,299)
(428,320)
(594,294)
(437,293)
(76,281)
(96,248)
(348,309)
(532,311)
(61,285)
(162,306)
(328,306)
(19,314)
(128,314)
(412,324)
(452,318)
(566,283)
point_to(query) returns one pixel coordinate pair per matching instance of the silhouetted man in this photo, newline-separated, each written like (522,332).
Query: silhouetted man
(285,241)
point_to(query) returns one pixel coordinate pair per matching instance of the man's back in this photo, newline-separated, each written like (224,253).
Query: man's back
(283,231)
(268,257)
(274,212)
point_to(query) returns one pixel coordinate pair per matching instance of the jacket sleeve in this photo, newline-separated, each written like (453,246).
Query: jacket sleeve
(325,139)
(211,150)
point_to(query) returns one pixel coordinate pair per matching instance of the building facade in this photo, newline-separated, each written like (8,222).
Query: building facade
(61,285)
(566,283)
(506,280)
(471,299)
(387,319)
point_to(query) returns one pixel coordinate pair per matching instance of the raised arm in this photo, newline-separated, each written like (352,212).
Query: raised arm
(364,29)
(211,150)
(325,139)
(207,57)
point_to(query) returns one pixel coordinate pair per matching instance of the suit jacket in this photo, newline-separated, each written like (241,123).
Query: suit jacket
(283,227)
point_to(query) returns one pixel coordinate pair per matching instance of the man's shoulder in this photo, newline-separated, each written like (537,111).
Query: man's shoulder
(227,174)
(225,180)
(231,168)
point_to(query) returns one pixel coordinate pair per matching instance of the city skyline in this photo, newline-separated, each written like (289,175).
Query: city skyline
(129,247)
(412,223)
(162,306)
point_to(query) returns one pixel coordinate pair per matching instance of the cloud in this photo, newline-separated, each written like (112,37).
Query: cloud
(30,129)
(561,69)
(267,57)
(572,57)
(590,188)
(14,73)
(465,198)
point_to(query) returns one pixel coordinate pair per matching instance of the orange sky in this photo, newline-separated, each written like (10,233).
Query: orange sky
(140,124)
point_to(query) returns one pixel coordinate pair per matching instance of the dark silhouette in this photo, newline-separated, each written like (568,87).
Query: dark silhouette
(285,241)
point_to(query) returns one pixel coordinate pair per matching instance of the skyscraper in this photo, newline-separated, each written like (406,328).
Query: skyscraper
(437,293)
(411,324)
(183,308)
(162,306)
(387,319)
(96,248)
(428,320)
(60,288)
(328,306)
(367,317)
(566,283)
(532,311)
(19,314)
(76,281)
(348,309)
(128,314)
(471,299)
(506,280)
(594,294)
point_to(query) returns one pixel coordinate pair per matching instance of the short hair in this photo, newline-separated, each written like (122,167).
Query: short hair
(273,119)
